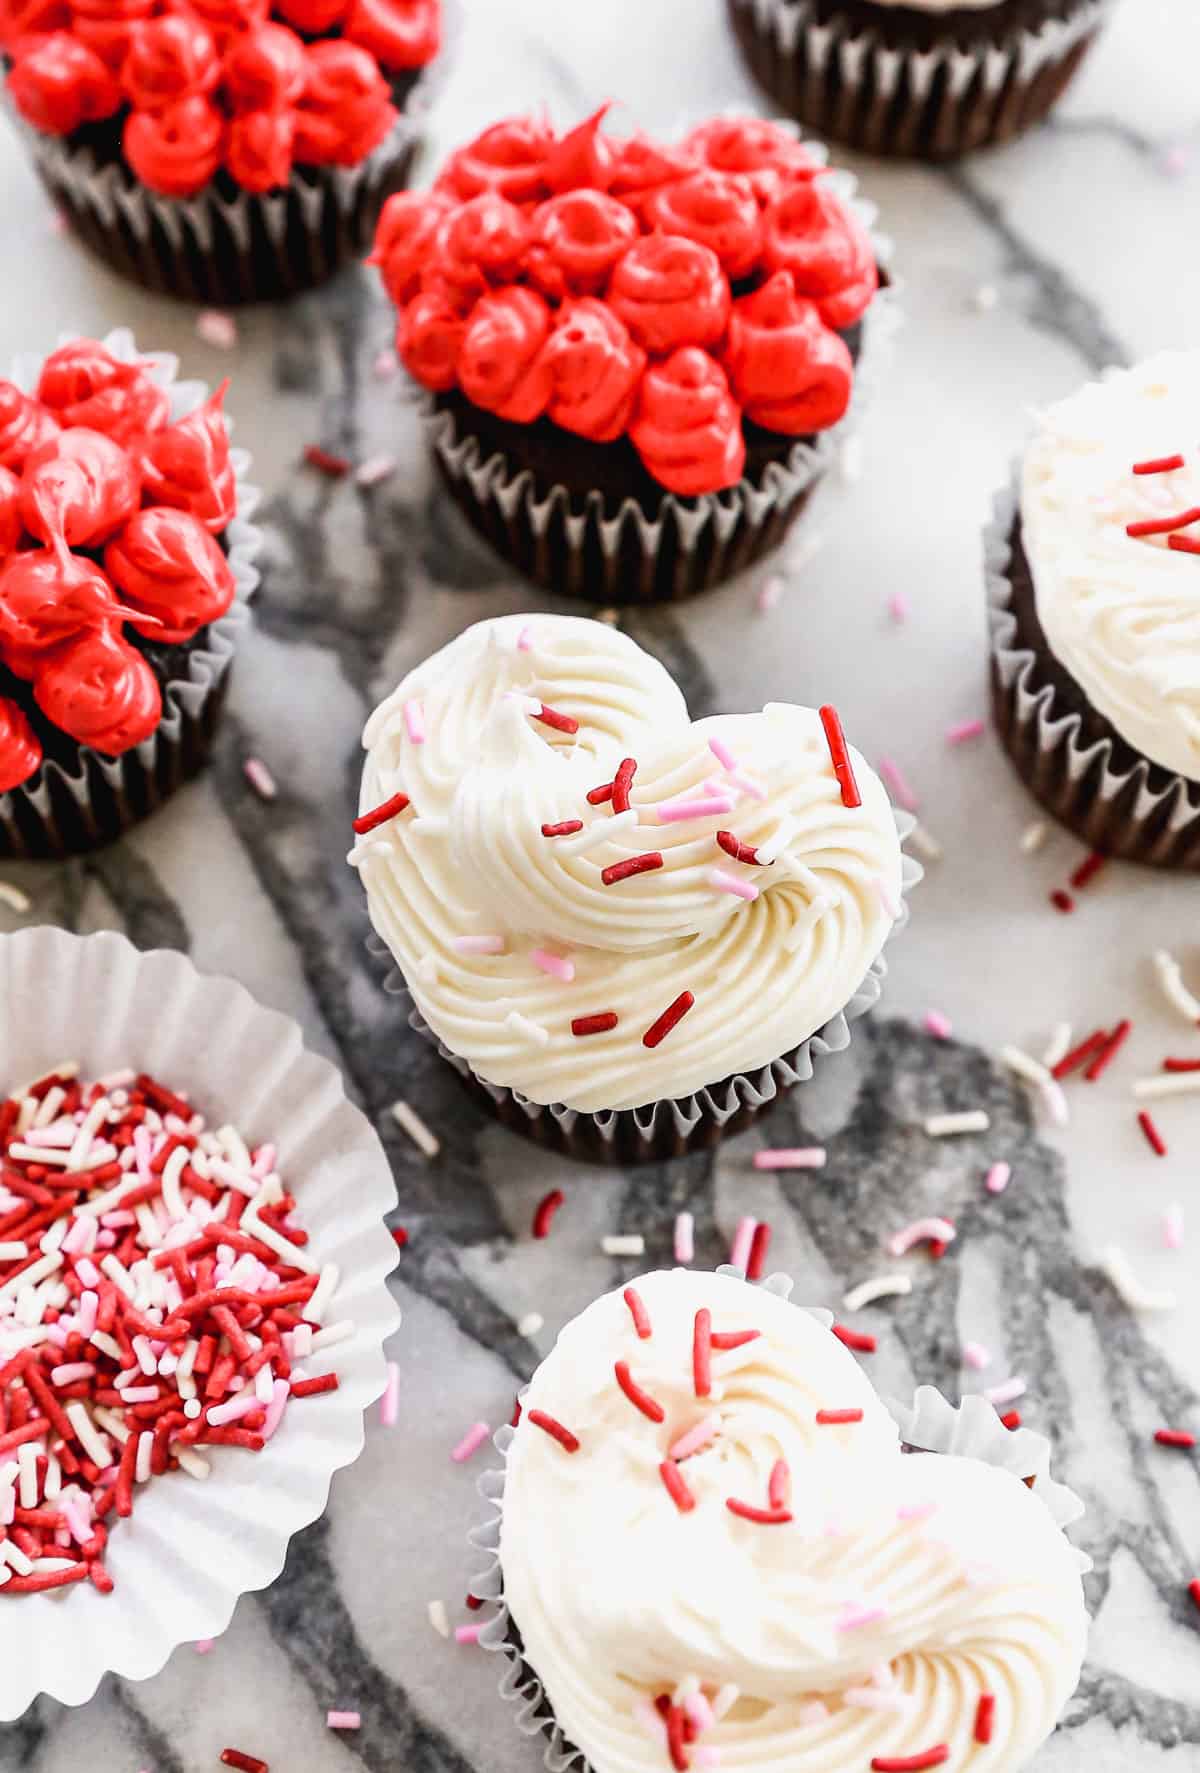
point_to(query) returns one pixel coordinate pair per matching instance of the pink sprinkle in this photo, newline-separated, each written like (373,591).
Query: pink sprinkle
(685,1248)
(204,1646)
(729,883)
(385,366)
(791,1157)
(1008,1393)
(887,899)
(700,1711)
(898,607)
(899,784)
(276,1408)
(414,721)
(478,944)
(555,964)
(217,329)
(856,1617)
(672,812)
(220,1414)
(525,639)
(770,592)
(1173,1227)
(470,1443)
(1176,160)
(916,1511)
(939,1025)
(260,778)
(723,754)
(343,1720)
(939,1230)
(649,1721)
(389,1404)
(739,1249)
(975,1355)
(695,1438)
(966,729)
(998,1177)
(706,1754)
(467,1634)
(375,469)
(87,1271)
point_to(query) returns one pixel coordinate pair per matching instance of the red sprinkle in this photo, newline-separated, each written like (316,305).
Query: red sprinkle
(932,1757)
(399,1236)
(641,1400)
(836,1418)
(1183,544)
(721,1340)
(1161,526)
(762,1517)
(380,815)
(1181,1064)
(985,1713)
(675,1012)
(835,738)
(474,1603)
(1108,1052)
(676,1487)
(312,1387)
(758,1251)
(564,828)
(1154,1138)
(702,1353)
(554,1429)
(546,1209)
(677,1738)
(1088,869)
(1194,1590)
(335,467)
(1174,1437)
(1062,901)
(602,1023)
(1011,1419)
(598,796)
(1158,465)
(233,1757)
(622,783)
(562,723)
(733,846)
(638,1312)
(1078,1055)
(856,1339)
(632,865)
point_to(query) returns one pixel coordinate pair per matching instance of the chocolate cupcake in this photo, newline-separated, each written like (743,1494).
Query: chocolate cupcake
(638,358)
(1094,613)
(712,1548)
(629,933)
(926,79)
(125,564)
(224,151)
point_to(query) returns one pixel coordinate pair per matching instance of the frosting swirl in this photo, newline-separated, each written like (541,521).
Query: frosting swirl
(687,428)
(399,33)
(481,243)
(720,210)
(10,512)
(313,17)
(501,366)
(188,465)
(20,752)
(765,154)
(78,488)
(404,241)
(82,383)
(58,84)
(24,425)
(169,59)
(577,238)
(670,292)
(509,158)
(265,69)
(429,338)
(100,691)
(259,155)
(470,859)
(596,370)
(810,234)
(346,109)
(106,26)
(788,371)
(46,598)
(178,150)
(167,564)
(888,1595)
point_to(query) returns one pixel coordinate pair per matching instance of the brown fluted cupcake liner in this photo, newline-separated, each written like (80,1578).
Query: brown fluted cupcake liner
(584,548)
(664,1129)
(65,809)
(1069,755)
(861,87)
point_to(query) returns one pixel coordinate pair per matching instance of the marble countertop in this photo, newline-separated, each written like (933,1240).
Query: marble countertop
(1024,272)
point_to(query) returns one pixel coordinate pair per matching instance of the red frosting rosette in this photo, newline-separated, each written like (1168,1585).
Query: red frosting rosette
(810,234)
(429,339)
(400,34)
(259,151)
(312,17)
(20,752)
(84,384)
(670,291)
(596,370)
(345,110)
(105,26)
(165,563)
(641,167)
(509,158)
(188,465)
(501,363)
(480,243)
(688,430)
(169,59)
(765,154)
(265,69)
(405,240)
(101,691)
(576,240)
(718,209)
(227,19)
(47,597)
(10,512)
(23,22)
(24,425)
(787,370)
(176,151)
(59,84)
(78,489)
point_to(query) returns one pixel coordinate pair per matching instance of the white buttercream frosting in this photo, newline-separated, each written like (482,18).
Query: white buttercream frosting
(1122,614)
(466,867)
(904,1588)
(941,5)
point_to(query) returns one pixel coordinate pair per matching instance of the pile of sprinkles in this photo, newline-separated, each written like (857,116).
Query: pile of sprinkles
(157,1300)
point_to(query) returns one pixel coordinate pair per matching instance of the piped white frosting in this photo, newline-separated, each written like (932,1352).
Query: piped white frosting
(468,861)
(941,5)
(1122,614)
(957,1575)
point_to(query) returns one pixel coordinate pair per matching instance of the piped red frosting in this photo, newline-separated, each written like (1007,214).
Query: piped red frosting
(200,85)
(623,287)
(109,519)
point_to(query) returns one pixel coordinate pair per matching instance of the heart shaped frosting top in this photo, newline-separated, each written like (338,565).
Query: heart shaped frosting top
(576,861)
(760,1571)
(1121,611)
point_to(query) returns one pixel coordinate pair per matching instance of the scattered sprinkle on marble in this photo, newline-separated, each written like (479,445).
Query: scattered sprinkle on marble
(998,1177)
(899,608)
(438,1618)
(204,1646)
(975,1356)
(235,1757)
(386,365)
(925,844)
(965,729)
(545,1210)
(859,1340)
(343,1720)
(1062,901)
(791,1157)
(902,789)
(1176,159)
(1116,1265)
(743,1237)
(938,1024)
(985,298)
(531,1324)
(624,1244)
(375,470)
(14,898)
(325,461)
(1033,837)
(968,1120)
(467,1634)
(389,1403)
(411,1123)
(685,1248)
(1174,1437)
(770,592)
(1153,1137)
(934,1229)
(217,329)
(260,778)
(1108,1052)
(879,1286)
(1006,1393)
(470,1443)
(1172,1226)
(1087,870)
(1170,978)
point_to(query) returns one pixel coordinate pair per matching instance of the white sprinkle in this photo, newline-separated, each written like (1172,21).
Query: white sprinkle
(530,1324)
(1058,1046)
(1034,1072)
(925,844)
(880,1286)
(685,1249)
(1115,1264)
(975,1355)
(375,469)
(14,898)
(1033,837)
(527,1029)
(943,1126)
(1007,1393)
(777,842)
(415,1127)
(260,778)
(633,1244)
(1170,977)
(850,462)
(1167,1083)
(490,944)
(217,329)
(769,592)
(600,831)
(985,298)
(322,1295)
(1172,1225)
(438,1619)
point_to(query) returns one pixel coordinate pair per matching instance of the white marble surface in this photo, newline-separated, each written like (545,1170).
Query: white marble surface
(1085,236)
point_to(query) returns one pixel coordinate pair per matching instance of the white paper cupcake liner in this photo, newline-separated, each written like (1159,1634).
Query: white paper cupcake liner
(62,809)
(971,1429)
(191,1548)
(1113,809)
(667,1128)
(688,545)
(853,86)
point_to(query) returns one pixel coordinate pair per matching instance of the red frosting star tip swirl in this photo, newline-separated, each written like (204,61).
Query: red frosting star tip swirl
(165,563)
(688,429)
(20,752)
(58,84)
(82,383)
(787,370)
(101,691)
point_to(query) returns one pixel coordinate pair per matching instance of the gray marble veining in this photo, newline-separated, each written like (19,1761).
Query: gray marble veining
(1024,271)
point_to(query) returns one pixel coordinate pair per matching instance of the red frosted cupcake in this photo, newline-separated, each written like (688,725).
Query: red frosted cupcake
(221,150)
(639,357)
(125,563)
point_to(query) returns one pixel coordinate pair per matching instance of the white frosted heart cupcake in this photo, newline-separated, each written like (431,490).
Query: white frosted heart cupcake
(713,1549)
(1094,606)
(630,930)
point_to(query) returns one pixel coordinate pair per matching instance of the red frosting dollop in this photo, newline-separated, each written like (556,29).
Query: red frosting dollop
(24,425)
(10,512)
(626,288)
(106,25)
(82,383)
(46,597)
(265,69)
(59,84)
(688,430)
(20,753)
(345,110)
(22,22)
(169,59)
(78,489)
(313,17)
(178,150)
(188,465)
(165,563)
(259,154)
(227,19)
(399,33)
(100,689)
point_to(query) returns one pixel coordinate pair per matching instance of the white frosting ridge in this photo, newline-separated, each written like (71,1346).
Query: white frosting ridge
(469,859)
(941,5)
(1122,614)
(966,1583)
